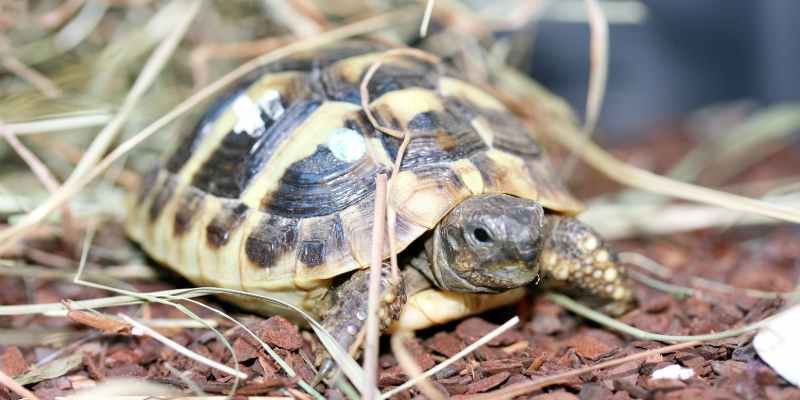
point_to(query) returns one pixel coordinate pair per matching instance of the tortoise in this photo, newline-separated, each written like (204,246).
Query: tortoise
(274,192)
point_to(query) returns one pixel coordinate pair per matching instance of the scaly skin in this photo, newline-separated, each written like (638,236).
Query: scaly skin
(347,317)
(576,259)
(488,244)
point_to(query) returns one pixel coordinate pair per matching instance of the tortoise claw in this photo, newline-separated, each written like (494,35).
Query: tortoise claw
(347,318)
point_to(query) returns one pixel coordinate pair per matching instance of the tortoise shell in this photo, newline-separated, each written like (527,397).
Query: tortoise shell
(274,189)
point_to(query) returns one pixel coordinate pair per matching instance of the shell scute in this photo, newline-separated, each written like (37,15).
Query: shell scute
(275,187)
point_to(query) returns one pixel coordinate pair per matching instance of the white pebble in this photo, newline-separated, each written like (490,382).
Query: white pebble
(673,371)
(248,116)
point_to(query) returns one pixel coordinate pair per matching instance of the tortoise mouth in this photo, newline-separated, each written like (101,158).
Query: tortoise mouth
(504,276)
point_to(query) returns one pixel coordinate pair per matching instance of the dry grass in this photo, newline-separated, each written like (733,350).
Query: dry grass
(78,22)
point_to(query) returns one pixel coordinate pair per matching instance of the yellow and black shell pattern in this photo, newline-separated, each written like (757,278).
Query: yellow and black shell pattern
(274,189)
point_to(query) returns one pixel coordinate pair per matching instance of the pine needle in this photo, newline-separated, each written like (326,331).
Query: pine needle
(553,118)
(9,235)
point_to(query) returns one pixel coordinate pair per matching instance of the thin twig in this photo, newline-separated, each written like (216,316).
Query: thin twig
(527,387)
(202,54)
(598,76)
(426,19)
(58,15)
(365,100)
(32,76)
(149,73)
(364,92)
(442,365)
(655,267)
(58,123)
(620,326)
(410,366)
(140,329)
(37,166)
(31,219)
(42,173)
(553,118)
(15,387)
(373,330)
(79,281)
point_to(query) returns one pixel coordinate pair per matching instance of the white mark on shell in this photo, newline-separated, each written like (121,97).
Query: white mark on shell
(270,104)
(249,114)
(346,144)
(351,329)
(361,315)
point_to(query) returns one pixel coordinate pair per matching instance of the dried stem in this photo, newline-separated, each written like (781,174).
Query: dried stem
(142,329)
(32,76)
(373,330)
(527,387)
(9,235)
(15,387)
(43,174)
(598,76)
(426,19)
(553,118)
(364,92)
(442,365)
(410,367)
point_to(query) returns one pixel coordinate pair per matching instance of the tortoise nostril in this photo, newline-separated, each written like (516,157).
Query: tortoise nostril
(481,235)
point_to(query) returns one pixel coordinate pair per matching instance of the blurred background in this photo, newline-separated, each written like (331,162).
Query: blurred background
(717,77)
(670,58)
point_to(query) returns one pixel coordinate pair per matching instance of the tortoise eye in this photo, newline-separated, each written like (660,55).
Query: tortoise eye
(481,235)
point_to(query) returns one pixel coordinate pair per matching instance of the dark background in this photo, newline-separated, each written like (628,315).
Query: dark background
(686,54)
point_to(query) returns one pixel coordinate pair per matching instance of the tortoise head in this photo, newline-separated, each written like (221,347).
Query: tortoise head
(488,243)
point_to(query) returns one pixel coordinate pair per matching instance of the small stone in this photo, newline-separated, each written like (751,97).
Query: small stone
(488,383)
(392,377)
(444,344)
(244,349)
(127,371)
(280,332)
(486,353)
(505,365)
(122,356)
(473,329)
(729,368)
(627,372)
(12,362)
(594,391)
(663,384)
(593,345)
(387,361)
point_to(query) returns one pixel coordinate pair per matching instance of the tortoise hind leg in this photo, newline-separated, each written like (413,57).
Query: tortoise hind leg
(346,319)
(575,258)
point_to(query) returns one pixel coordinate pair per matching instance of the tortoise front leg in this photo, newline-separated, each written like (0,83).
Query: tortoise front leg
(346,319)
(575,258)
